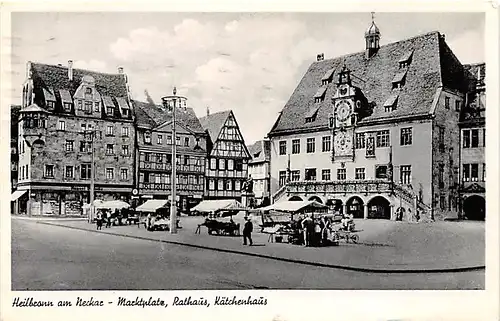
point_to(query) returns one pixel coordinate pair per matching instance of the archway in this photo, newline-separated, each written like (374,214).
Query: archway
(334,204)
(295,198)
(475,208)
(379,208)
(316,198)
(355,206)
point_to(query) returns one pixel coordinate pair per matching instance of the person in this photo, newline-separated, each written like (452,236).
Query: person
(108,219)
(99,220)
(247,231)
(308,228)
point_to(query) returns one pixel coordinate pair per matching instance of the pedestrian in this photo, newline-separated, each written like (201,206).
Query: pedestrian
(308,228)
(99,220)
(247,231)
(108,219)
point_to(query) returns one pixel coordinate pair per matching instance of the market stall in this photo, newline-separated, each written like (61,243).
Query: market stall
(155,215)
(115,209)
(214,212)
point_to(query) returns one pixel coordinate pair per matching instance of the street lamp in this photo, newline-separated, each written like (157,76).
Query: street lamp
(171,102)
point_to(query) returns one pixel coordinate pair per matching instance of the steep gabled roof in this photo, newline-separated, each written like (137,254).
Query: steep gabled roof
(213,123)
(432,65)
(260,151)
(56,77)
(152,115)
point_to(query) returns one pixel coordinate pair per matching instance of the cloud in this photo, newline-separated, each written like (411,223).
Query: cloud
(250,65)
(462,44)
(97,65)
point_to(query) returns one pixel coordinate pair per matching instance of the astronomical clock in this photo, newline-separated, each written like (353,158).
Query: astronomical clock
(348,103)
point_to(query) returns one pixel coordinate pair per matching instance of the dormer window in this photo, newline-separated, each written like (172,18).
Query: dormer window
(80,105)
(88,107)
(399,80)
(123,106)
(310,116)
(405,60)
(96,107)
(125,112)
(110,111)
(391,102)
(50,99)
(51,104)
(147,138)
(67,106)
(320,95)
(327,77)
(88,91)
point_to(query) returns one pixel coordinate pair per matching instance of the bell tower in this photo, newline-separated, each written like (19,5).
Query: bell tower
(372,39)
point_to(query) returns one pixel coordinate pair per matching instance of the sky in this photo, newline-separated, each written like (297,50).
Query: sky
(247,62)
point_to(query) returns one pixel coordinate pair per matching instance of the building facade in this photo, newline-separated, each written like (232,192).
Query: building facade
(375,133)
(473,144)
(154,154)
(226,166)
(71,118)
(259,170)
(14,153)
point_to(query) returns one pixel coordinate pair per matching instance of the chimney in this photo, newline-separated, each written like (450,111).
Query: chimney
(320,57)
(208,111)
(70,69)
(120,70)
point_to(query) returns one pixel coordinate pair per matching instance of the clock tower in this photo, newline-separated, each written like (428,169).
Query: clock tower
(349,105)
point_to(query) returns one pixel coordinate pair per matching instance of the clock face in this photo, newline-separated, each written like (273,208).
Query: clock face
(343,110)
(343,143)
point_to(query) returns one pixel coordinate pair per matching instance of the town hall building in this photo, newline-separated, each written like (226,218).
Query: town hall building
(375,133)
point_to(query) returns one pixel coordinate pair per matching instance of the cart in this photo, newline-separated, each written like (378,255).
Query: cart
(222,228)
(214,209)
(347,236)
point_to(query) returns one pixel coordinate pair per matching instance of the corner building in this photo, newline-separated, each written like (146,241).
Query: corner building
(375,133)
(154,154)
(61,107)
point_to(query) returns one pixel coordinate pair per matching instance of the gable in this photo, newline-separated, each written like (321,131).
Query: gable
(230,142)
(179,128)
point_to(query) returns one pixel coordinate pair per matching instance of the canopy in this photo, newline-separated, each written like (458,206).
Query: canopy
(97,204)
(218,205)
(16,195)
(113,205)
(151,205)
(294,206)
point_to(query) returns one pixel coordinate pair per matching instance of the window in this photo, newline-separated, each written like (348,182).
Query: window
(211,184)
(237,185)
(110,111)
(160,139)
(158,179)
(406,136)
(85,147)
(125,112)
(186,141)
(110,149)
(213,163)
(222,164)
(360,173)
(186,159)
(405,174)
(70,145)
(383,138)
(125,131)
(296,146)
(310,174)
(341,174)
(229,185)
(51,104)
(69,172)
(169,140)
(381,171)
(295,176)
(447,102)
(441,139)
(220,185)
(466,138)
(360,140)
(88,107)
(61,125)
(147,157)
(326,143)
(474,141)
(282,178)
(178,140)
(466,172)
(230,164)
(311,145)
(124,174)
(442,202)
(110,173)
(109,131)
(474,172)
(484,172)
(67,106)
(441,175)
(325,175)
(147,138)
(88,91)
(282,147)
(49,171)
(80,105)
(125,150)
(457,105)
(96,107)
(238,164)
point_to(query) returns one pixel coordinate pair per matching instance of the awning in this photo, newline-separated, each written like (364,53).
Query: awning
(113,205)
(151,205)
(16,195)
(218,205)
(294,206)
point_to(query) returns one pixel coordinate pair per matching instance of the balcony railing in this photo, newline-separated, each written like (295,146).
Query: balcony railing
(167,186)
(168,167)
(362,186)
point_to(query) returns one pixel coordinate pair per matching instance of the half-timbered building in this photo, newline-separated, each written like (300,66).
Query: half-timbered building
(227,158)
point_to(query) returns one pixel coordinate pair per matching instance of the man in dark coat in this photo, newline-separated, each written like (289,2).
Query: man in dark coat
(247,231)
